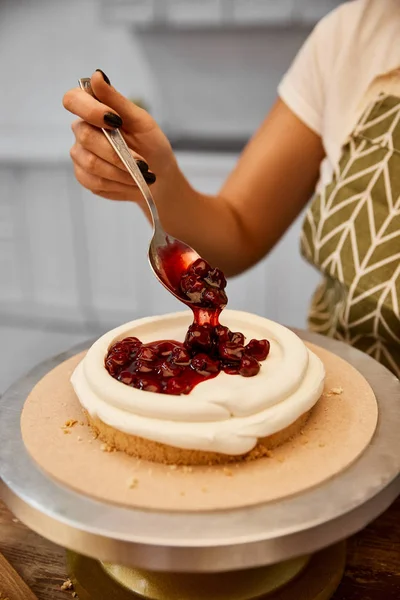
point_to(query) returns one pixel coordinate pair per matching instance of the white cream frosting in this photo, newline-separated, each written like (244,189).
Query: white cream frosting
(227,414)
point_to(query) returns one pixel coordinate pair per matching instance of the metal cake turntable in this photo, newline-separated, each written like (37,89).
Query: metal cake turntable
(288,549)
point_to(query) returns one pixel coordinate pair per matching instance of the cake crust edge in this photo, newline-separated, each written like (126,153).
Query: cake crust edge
(157,452)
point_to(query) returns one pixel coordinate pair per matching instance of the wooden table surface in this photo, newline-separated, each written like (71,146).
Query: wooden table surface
(373,564)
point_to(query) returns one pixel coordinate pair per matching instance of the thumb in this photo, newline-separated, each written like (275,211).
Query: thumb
(135,119)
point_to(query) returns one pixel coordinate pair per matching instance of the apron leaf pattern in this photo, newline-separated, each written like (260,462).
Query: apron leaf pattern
(351,233)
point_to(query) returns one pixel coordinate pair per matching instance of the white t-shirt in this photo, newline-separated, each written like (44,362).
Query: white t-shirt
(327,83)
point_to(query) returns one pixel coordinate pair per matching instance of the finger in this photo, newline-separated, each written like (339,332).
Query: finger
(92,139)
(95,165)
(82,104)
(97,184)
(136,119)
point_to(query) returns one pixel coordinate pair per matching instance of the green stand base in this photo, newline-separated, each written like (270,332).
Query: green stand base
(315,578)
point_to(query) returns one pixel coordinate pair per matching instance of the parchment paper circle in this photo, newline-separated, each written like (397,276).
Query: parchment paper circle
(340,427)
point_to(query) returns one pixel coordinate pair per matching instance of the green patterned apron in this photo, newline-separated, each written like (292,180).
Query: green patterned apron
(352,235)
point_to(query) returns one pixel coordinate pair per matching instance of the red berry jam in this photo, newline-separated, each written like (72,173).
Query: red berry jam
(170,367)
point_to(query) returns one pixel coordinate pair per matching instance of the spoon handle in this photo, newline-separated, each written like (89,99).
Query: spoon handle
(116,140)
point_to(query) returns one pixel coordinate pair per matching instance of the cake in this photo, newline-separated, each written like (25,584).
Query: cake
(167,390)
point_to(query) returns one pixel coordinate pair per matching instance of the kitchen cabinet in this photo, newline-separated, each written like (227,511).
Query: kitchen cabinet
(259,12)
(309,11)
(203,13)
(199,14)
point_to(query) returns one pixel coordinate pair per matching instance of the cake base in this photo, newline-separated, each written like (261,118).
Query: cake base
(339,429)
(300,579)
(168,455)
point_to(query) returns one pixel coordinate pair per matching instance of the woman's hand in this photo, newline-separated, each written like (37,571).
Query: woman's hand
(271,184)
(96,165)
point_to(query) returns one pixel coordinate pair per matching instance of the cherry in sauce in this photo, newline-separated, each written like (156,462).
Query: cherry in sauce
(175,368)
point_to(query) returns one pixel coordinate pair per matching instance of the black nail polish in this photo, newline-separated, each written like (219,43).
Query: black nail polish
(149,178)
(113,120)
(104,76)
(143,166)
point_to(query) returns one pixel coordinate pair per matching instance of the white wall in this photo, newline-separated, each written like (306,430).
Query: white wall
(201,82)
(45,46)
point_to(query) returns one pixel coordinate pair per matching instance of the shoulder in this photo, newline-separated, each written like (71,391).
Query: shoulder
(332,41)
(339,28)
(348,14)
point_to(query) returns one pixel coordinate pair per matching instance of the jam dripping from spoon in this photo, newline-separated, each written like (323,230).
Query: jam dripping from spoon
(175,368)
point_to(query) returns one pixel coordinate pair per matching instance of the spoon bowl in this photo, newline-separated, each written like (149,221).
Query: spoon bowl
(169,258)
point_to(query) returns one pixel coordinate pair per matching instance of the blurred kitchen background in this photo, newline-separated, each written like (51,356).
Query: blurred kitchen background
(73,265)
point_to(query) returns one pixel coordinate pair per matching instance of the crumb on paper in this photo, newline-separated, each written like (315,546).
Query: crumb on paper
(322,444)
(336,391)
(133,483)
(106,448)
(304,441)
(173,467)
(67,585)
(281,459)
(15,520)
(79,438)
(186,469)
(228,472)
(204,490)
(183,493)
(68,425)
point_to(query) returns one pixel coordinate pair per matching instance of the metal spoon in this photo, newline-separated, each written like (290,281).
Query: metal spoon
(168,256)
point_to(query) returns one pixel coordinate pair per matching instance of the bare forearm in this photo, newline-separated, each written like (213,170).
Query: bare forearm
(211,226)
(272,182)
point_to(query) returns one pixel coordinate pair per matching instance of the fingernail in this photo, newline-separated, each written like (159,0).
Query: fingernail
(112,119)
(149,178)
(104,76)
(143,166)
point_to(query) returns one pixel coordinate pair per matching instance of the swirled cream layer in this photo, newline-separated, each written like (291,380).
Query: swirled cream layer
(227,414)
